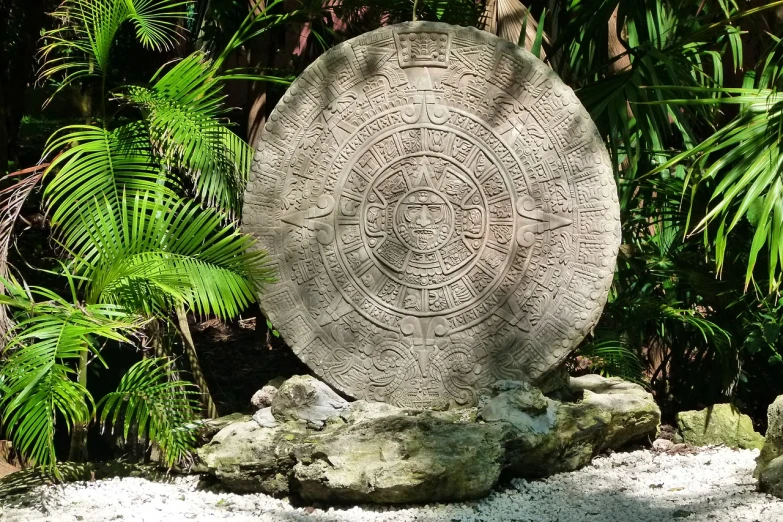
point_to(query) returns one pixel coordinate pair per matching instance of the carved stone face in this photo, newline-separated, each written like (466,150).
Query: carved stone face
(424,219)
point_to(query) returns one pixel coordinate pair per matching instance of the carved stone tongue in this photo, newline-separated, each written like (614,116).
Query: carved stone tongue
(442,213)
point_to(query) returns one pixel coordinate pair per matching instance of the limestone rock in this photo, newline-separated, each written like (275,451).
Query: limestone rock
(401,459)
(303,397)
(249,458)
(360,411)
(773,445)
(769,464)
(264,418)
(521,405)
(662,445)
(263,397)
(607,386)
(212,427)
(633,410)
(771,477)
(718,424)
(378,453)
(551,436)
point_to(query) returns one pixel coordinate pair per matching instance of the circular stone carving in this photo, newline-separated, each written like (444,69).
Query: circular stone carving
(442,213)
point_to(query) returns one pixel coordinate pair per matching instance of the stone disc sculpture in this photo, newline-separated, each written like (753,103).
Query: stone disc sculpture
(442,214)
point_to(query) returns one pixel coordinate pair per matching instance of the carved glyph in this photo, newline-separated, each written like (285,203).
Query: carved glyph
(441,211)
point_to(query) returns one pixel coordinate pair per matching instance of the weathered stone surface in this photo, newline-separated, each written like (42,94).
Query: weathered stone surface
(249,458)
(718,424)
(634,411)
(264,418)
(305,398)
(263,397)
(442,213)
(401,459)
(773,443)
(551,436)
(211,427)
(606,386)
(771,477)
(769,464)
(374,452)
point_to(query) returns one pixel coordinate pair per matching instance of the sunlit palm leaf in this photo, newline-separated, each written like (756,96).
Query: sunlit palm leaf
(80,47)
(185,113)
(161,250)
(97,165)
(742,165)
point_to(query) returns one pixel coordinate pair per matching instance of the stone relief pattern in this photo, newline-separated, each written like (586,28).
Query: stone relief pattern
(442,213)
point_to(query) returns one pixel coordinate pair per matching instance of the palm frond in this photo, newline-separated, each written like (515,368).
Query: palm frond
(613,358)
(12,197)
(742,164)
(97,165)
(188,130)
(79,47)
(163,408)
(159,250)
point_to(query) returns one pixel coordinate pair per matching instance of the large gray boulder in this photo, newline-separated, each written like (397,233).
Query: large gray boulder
(769,464)
(402,459)
(718,424)
(303,397)
(377,453)
(549,436)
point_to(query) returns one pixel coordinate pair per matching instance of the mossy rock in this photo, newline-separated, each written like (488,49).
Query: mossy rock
(716,425)
(377,453)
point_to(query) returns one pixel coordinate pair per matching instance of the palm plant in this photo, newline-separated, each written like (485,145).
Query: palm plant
(36,378)
(655,75)
(144,208)
(741,163)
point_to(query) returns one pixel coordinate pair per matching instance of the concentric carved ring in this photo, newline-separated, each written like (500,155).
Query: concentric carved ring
(441,211)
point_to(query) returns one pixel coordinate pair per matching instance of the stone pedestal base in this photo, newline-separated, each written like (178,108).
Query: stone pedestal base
(376,453)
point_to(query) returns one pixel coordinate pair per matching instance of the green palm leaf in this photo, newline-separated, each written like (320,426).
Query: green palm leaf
(159,250)
(189,133)
(97,165)
(80,47)
(742,164)
(37,378)
(161,407)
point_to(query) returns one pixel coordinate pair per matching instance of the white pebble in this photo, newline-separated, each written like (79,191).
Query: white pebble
(714,485)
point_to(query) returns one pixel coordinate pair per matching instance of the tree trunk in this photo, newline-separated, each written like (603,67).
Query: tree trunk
(78,451)
(207,403)
(616,47)
(256,56)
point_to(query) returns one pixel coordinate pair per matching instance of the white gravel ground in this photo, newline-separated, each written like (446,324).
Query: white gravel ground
(713,485)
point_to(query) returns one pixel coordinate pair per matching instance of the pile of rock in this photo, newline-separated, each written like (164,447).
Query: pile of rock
(312,444)
(769,465)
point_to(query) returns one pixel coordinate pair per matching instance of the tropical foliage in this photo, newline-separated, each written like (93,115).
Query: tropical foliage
(143,206)
(144,193)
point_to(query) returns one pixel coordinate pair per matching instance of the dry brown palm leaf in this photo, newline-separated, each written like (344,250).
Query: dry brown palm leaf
(16,187)
(505,18)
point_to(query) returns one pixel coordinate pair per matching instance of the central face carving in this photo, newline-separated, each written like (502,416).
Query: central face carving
(424,220)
